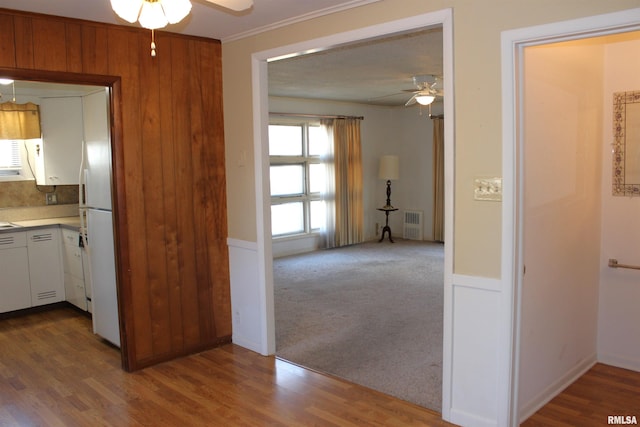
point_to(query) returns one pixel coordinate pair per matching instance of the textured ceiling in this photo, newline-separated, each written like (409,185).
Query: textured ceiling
(377,72)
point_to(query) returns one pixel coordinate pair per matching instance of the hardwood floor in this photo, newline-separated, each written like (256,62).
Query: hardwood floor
(602,392)
(55,372)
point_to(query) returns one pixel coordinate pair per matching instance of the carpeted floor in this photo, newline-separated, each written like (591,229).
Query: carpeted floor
(369,313)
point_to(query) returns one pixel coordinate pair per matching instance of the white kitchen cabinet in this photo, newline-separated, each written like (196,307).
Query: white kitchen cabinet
(58,160)
(15,292)
(74,284)
(45,266)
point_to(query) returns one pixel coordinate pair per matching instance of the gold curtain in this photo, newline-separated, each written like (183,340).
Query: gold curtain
(19,121)
(345,214)
(438,179)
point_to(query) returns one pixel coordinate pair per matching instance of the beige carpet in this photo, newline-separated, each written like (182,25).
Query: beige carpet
(369,313)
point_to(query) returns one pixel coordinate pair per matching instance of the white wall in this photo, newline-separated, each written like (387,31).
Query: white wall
(561,242)
(619,317)
(384,130)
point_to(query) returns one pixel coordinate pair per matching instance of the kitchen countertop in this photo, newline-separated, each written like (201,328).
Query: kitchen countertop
(69,222)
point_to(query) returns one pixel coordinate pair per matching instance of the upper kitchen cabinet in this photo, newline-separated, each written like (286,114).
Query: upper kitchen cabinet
(58,160)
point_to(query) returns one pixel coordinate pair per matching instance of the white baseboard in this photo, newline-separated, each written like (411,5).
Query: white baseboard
(619,361)
(466,419)
(531,407)
(249,345)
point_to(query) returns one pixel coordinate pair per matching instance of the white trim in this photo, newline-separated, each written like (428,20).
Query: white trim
(446,19)
(334,40)
(297,19)
(623,362)
(513,42)
(242,244)
(466,419)
(263,203)
(261,120)
(475,282)
(556,388)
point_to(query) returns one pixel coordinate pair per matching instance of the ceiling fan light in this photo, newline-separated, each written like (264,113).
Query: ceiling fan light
(425,99)
(127,9)
(152,15)
(175,10)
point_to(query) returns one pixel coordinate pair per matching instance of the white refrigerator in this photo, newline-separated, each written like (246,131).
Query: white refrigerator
(96,210)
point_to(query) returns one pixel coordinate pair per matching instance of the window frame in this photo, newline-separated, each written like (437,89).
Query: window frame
(305,159)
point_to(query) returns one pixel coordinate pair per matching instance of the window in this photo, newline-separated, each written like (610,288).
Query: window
(14,158)
(297,178)
(10,157)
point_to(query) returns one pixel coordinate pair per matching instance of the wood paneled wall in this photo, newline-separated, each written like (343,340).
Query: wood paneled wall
(168,163)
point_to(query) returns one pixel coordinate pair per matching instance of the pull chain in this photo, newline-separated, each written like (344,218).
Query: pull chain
(153,44)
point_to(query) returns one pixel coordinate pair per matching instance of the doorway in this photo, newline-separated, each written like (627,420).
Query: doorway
(260,110)
(83,105)
(561,146)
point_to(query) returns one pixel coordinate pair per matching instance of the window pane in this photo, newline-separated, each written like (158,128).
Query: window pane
(317,141)
(287,218)
(287,179)
(9,154)
(285,140)
(317,214)
(316,177)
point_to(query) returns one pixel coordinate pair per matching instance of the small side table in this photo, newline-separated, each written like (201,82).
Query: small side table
(387,229)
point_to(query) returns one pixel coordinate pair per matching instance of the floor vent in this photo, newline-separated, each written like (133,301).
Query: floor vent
(412,229)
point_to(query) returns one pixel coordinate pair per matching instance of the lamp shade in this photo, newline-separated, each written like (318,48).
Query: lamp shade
(152,15)
(127,9)
(389,168)
(176,10)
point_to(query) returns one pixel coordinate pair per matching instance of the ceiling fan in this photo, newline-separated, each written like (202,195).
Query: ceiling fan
(429,87)
(154,14)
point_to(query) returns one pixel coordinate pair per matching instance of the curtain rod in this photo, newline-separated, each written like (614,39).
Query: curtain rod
(316,116)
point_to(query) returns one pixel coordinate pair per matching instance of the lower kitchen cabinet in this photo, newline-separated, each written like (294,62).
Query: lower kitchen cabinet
(14,279)
(45,266)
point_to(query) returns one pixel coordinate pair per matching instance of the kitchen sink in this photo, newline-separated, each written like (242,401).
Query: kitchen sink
(6,225)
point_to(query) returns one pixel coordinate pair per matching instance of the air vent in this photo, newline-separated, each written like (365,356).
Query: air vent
(412,229)
(6,240)
(44,237)
(46,295)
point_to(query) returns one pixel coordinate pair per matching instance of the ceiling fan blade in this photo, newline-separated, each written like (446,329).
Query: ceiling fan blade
(375,98)
(237,5)
(411,101)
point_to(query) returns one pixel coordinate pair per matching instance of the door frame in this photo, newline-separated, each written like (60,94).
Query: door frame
(259,61)
(513,43)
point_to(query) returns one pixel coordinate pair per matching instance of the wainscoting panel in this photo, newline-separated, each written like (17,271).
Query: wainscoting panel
(475,395)
(246,306)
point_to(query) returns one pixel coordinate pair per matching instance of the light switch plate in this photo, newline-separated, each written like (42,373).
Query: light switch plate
(487,189)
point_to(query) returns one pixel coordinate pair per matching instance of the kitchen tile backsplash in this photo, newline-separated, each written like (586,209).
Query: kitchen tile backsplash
(20,200)
(17,194)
